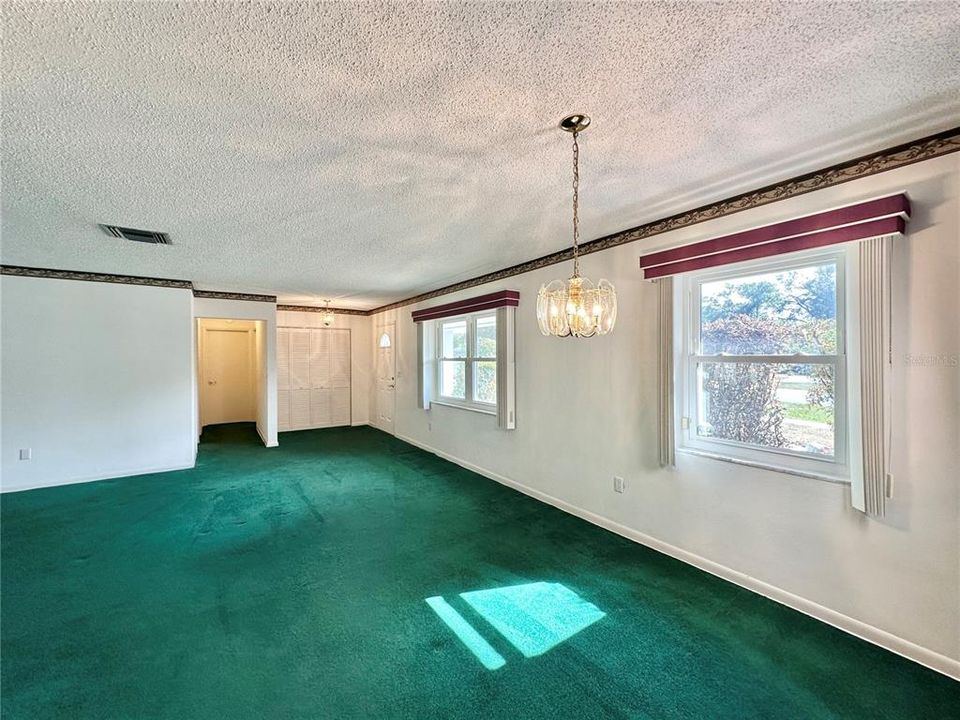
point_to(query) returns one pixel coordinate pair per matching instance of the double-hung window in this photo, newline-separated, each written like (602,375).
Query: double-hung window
(763,369)
(467,361)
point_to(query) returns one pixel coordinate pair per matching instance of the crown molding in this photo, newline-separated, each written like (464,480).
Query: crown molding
(313,308)
(898,156)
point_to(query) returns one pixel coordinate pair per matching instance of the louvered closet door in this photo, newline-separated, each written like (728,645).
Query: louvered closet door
(340,377)
(319,378)
(283,379)
(313,377)
(299,379)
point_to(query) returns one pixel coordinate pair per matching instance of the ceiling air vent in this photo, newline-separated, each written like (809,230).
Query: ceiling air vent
(144,236)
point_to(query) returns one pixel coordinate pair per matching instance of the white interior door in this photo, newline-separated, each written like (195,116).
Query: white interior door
(228,393)
(386,376)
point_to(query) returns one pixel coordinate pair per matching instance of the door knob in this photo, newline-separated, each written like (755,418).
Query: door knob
(211,382)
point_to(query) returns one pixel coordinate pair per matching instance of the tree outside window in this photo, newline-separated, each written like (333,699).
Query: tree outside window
(778,401)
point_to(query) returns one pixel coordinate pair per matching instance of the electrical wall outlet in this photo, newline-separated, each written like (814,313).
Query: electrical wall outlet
(26,453)
(618,484)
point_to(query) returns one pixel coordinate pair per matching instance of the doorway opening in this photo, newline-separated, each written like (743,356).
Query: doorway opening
(231,372)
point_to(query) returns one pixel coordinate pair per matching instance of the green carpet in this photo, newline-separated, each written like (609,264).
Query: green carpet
(293,583)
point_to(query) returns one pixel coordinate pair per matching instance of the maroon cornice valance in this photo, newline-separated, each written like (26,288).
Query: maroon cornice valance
(501,298)
(873,218)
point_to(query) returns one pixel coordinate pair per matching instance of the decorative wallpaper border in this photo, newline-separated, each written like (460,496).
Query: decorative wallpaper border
(93,277)
(215,295)
(312,308)
(52,274)
(926,148)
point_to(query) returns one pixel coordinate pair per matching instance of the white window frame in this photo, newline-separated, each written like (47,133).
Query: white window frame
(468,402)
(846,368)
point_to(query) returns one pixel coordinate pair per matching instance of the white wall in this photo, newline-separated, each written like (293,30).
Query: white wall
(248,310)
(361,354)
(586,410)
(96,380)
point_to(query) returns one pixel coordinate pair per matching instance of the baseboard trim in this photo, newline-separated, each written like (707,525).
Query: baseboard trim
(905,648)
(111,476)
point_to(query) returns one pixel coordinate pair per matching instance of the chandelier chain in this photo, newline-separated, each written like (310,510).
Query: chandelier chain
(576,208)
(576,307)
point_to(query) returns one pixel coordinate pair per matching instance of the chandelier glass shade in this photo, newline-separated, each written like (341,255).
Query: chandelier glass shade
(327,318)
(576,307)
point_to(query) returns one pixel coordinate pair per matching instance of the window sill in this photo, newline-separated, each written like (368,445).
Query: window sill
(764,466)
(471,408)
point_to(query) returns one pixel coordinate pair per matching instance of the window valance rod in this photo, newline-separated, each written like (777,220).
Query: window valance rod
(862,221)
(490,301)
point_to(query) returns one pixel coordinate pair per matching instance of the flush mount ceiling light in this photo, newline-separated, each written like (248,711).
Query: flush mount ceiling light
(576,307)
(327,318)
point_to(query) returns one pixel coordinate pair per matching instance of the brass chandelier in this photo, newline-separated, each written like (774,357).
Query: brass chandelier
(576,307)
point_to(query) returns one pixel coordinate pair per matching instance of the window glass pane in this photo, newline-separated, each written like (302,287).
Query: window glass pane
(487,337)
(485,381)
(453,379)
(776,313)
(771,405)
(454,339)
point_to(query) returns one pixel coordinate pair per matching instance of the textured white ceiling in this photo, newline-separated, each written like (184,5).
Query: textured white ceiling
(371,151)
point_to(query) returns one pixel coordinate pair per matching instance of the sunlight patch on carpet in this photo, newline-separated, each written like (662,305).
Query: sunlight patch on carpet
(474,641)
(534,617)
